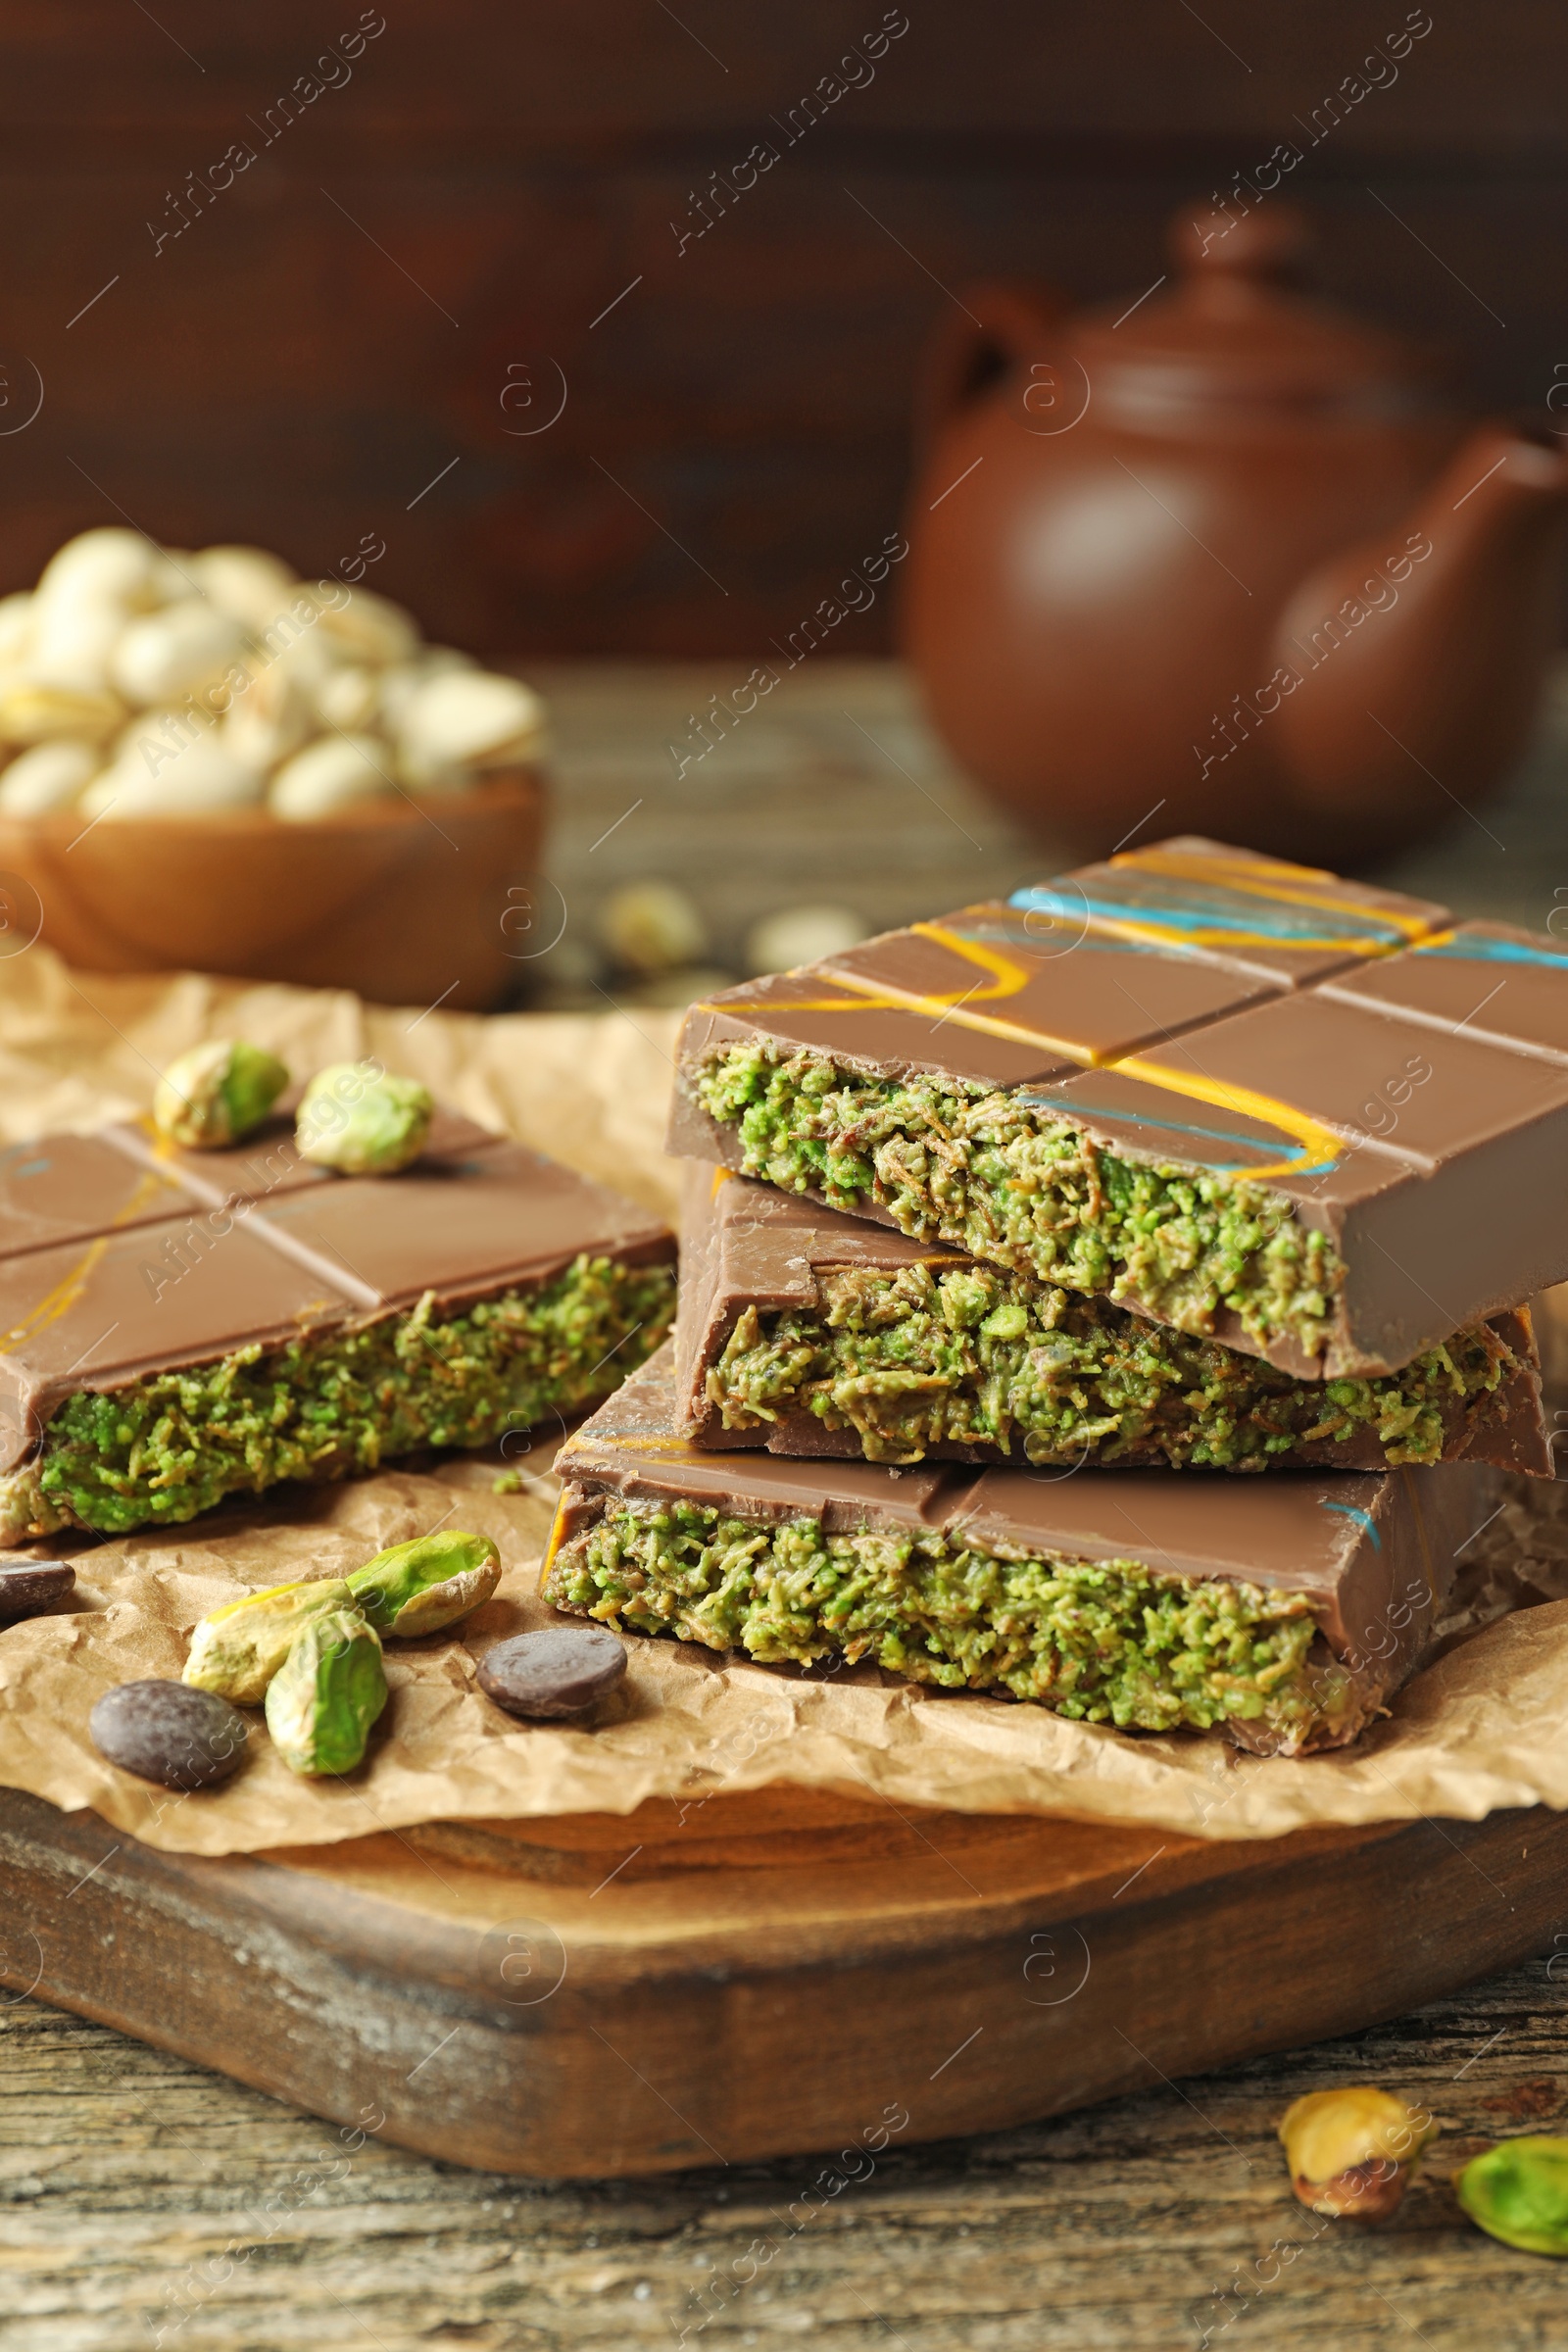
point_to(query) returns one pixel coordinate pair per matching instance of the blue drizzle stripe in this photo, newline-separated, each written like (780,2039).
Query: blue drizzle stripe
(1071,1110)
(1496,951)
(1200,916)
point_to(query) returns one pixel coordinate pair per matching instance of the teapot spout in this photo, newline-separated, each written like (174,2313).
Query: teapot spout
(1418,659)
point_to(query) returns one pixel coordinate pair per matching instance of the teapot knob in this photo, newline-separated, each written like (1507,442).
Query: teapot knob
(1272,243)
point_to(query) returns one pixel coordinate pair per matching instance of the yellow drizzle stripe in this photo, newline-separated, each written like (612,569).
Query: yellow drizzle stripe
(1238,876)
(1319,1142)
(1210,935)
(60,1300)
(68,1290)
(884,996)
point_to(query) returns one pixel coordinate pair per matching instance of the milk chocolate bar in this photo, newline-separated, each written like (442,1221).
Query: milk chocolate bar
(176,1327)
(1279,1611)
(1237,1097)
(814,1333)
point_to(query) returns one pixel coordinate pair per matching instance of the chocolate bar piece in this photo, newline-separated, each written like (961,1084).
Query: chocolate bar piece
(1237,1097)
(814,1333)
(193,1325)
(1280,1611)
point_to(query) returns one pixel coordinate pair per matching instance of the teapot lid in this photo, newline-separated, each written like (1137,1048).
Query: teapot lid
(1233,328)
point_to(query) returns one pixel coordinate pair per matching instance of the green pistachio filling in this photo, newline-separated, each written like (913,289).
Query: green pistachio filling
(974,1355)
(999,1177)
(327,1405)
(1102,1640)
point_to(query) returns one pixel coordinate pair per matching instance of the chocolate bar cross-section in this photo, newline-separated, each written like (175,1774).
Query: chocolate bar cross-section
(1240,1097)
(1281,1612)
(176,1327)
(814,1333)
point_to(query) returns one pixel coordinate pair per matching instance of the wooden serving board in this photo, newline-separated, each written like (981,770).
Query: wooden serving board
(754,1975)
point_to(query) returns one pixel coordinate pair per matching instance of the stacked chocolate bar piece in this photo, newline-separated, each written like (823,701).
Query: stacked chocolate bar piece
(1017,1243)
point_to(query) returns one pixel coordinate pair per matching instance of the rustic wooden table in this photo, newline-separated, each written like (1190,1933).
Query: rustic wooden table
(148,2203)
(144,2201)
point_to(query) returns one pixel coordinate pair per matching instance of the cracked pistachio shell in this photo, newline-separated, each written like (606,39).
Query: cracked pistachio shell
(217,1093)
(422,1587)
(236,1651)
(361,1120)
(1355,2150)
(326,1694)
(1518,2192)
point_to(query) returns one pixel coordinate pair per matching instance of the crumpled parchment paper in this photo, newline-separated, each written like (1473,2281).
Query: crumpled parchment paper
(1479,1728)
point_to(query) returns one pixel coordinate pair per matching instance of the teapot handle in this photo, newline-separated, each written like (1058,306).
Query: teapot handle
(993,329)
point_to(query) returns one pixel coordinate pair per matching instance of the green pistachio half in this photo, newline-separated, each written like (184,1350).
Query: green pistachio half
(359,1119)
(420,1588)
(217,1093)
(326,1694)
(1518,2191)
(236,1651)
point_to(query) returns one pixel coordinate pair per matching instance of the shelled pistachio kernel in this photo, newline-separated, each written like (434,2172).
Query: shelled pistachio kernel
(422,1587)
(217,1093)
(236,1651)
(363,1121)
(1518,2191)
(1354,2150)
(325,1697)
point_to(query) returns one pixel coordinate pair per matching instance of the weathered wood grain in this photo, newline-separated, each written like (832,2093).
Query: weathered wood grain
(144,2202)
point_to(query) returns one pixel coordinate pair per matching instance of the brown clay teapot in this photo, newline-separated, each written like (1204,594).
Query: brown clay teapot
(1221,551)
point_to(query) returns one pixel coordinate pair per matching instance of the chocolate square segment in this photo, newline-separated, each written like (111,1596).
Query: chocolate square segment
(1387,1084)
(463,1227)
(61,1187)
(1287,925)
(1485,980)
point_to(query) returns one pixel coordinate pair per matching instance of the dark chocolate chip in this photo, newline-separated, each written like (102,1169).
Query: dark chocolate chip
(560,1671)
(29,1584)
(169,1733)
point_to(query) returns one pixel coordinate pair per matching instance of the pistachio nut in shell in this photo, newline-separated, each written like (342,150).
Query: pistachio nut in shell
(236,1651)
(112,561)
(325,1697)
(328,774)
(164,655)
(217,1093)
(361,1120)
(1518,2191)
(192,778)
(1354,2151)
(248,583)
(48,776)
(422,1587)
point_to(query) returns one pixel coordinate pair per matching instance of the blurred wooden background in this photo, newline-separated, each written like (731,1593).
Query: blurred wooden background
(364,331)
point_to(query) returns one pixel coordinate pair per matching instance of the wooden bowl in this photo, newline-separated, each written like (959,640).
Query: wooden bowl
(403,902)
